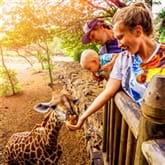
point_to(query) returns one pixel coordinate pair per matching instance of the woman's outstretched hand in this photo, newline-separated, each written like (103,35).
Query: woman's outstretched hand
(76,126)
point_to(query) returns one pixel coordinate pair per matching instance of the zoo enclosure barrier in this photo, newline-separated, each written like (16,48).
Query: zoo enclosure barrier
(134,136)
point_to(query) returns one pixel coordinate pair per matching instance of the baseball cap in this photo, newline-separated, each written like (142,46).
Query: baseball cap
(88,27)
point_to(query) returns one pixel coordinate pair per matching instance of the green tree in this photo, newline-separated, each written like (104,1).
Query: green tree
(162,26)
(30,25)
(69,26)
(8,81)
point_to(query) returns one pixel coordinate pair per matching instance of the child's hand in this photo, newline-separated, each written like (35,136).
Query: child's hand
(98,78)
(107,67)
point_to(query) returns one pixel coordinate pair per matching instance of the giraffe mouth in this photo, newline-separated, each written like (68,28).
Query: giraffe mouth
(61,114)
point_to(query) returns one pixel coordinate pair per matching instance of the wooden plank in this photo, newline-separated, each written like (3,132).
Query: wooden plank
(104,159)
(130,111)
(97,158)
(117,132)
(131,147)
(108,131)
(154,151)
(105,128)
(111,136)
(123,142)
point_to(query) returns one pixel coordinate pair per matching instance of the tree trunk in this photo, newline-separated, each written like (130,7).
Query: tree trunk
(49,66)
(7,73)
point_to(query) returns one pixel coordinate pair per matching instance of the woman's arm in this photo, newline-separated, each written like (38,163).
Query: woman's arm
(111,88)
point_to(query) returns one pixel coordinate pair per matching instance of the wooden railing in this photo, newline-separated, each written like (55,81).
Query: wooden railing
(134,135)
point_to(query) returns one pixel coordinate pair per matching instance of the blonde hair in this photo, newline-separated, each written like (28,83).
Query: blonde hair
(88,56)
(136,14)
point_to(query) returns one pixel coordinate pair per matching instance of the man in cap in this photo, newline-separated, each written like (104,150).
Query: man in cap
(97,31)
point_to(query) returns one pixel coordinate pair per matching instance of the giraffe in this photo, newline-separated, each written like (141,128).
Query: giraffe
(40,146)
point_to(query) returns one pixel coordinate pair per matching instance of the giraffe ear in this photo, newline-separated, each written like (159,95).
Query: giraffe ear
(42,107)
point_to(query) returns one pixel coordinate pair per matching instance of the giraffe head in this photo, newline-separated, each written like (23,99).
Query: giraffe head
(64,104)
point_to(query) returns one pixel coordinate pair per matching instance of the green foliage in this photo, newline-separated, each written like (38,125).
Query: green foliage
(75,52)
(162,17)
(5,86)
(50,66)
(162,13)
(34,22)
(56,46)
(70,26)
(162,36)
(42,57)
(159,23)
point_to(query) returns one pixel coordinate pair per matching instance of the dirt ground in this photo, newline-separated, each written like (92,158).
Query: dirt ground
(17,114)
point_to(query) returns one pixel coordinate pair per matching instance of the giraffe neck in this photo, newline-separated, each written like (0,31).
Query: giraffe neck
(52,127)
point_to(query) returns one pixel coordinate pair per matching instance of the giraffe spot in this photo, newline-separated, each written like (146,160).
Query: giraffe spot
(32,147)
(26,155)
(30,140)
(27,148)
(39,152)
(53,156)
(33,154)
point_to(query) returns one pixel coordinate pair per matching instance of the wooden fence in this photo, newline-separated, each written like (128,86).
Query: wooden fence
(134,136)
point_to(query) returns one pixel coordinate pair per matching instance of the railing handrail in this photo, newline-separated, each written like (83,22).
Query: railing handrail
(130,111)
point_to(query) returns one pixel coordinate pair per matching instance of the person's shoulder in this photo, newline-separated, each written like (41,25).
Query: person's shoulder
(124,58)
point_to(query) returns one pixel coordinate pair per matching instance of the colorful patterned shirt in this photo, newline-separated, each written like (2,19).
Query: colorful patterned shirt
(134,74)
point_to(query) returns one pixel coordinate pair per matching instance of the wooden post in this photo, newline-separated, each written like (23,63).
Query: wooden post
(111,134)
(123,142)
(131,146)
(152,121)
(105,114)
(108,129)
(117,131)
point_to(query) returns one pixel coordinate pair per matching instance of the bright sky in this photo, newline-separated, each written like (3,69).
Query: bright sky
(157,8)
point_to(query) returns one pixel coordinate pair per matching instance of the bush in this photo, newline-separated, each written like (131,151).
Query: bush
(6,87)
(76,52)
